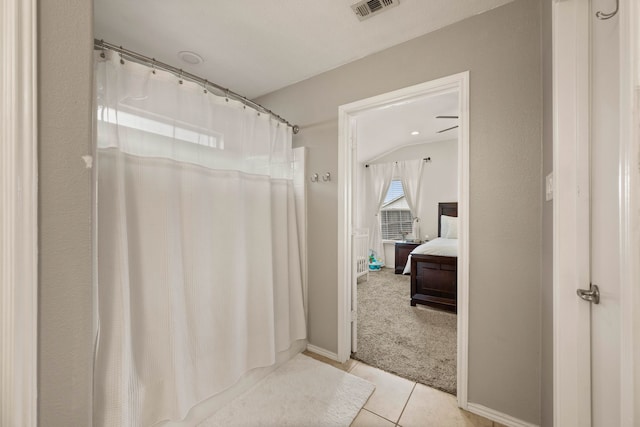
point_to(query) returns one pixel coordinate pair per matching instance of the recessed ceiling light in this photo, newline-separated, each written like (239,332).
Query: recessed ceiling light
(191,58)
(415,132)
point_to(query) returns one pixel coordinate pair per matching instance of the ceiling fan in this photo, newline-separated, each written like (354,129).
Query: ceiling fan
(447,117)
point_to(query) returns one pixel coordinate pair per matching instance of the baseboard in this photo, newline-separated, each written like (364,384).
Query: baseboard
(496,416)
(322,352)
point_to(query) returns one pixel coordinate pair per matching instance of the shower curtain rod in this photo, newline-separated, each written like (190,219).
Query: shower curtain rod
(426,159)
(178,72)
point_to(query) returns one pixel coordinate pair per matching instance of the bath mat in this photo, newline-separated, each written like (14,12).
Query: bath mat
(302,392)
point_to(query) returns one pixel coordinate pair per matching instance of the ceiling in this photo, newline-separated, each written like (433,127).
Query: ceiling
(254,47)
(387,128)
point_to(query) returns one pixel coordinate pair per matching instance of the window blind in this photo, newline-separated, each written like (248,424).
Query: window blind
(394,223)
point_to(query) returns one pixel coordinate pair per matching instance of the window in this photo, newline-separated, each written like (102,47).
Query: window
(163,127)
(395,216)
(394,223)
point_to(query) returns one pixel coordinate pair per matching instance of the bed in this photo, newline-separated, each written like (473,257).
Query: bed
(434,265)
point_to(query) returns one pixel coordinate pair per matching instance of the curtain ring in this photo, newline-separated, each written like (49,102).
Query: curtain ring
(226,95)
(204,85)
(121,59)
(153,65)
(180,77)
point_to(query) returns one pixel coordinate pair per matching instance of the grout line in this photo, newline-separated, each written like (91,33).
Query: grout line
(406,403)
(353,366)
(378,415)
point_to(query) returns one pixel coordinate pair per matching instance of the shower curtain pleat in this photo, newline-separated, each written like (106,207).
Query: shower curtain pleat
(199,277)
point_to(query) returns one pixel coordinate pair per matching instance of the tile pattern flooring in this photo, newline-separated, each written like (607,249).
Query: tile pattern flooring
(400,402)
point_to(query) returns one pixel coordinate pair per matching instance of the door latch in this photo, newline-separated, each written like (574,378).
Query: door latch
(591,295)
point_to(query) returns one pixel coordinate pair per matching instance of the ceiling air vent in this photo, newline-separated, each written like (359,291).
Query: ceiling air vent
(368,8)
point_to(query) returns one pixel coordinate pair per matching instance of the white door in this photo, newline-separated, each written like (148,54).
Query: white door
(571,208)
(589,213)
(605,214)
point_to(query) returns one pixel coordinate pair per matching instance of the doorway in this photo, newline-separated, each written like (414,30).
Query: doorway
(347,181)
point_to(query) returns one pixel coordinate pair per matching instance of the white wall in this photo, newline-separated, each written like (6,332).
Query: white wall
(501,49)
(439,178)
(389,254)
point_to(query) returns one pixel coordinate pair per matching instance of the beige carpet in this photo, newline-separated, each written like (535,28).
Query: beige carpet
(416,343)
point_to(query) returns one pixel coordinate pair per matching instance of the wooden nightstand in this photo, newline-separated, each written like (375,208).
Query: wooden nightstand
(403,250)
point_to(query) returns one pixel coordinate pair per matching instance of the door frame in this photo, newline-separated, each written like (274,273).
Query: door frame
(629,21)
(18,213)
(346,172)
(571,227)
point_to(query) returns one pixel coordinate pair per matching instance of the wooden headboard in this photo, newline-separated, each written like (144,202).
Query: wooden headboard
(448,209)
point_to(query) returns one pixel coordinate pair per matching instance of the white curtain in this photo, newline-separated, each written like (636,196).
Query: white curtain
(410,173)
(199,277)
(379,178)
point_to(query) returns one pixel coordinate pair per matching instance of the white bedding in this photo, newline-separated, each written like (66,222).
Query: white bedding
(439,246)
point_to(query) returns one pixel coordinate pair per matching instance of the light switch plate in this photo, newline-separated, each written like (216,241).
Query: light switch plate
(549,187)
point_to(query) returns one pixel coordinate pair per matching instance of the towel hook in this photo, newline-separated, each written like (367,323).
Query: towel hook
(602,16)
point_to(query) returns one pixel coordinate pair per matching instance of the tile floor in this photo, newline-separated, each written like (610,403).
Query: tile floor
(400,402)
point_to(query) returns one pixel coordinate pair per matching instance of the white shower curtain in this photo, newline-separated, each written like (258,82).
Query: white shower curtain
(379,178)
(198,275)
(410,173)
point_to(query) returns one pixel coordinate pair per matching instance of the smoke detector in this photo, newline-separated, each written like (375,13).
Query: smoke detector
(191,58)
(368,8)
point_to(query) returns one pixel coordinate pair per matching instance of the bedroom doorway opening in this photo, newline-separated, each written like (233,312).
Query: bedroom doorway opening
(419,176)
